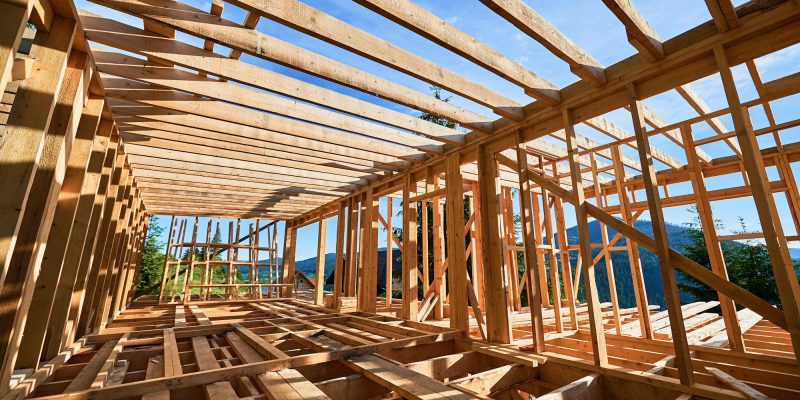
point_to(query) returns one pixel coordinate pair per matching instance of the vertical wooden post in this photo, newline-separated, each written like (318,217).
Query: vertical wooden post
(509,247)
(476,243)
(287,269)
(563,251)
(456,245)
(363,239)
(371,252)
(781,260)
(352,249)
(165,270)
(187,277)
(683,360)
(715,257)
(321,236)
(426,276)
(338,271)
(498,322)
(612,283)
(389,252)
(438,250)
(529,241)
(639,291)
(410,295)
(582,220)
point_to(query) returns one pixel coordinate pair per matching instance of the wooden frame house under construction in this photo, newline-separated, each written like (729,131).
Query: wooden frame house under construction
(104,124)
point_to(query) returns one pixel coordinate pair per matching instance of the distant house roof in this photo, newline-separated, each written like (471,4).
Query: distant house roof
(300,275)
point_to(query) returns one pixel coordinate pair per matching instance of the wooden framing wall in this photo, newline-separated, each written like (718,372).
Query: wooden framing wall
(95,141)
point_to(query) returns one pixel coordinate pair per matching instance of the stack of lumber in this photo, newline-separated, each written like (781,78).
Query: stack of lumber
(347,304)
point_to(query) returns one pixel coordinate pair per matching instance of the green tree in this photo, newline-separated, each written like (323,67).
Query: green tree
(152,259)
(747,262)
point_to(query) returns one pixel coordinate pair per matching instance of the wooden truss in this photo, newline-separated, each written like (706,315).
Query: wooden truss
(104,124)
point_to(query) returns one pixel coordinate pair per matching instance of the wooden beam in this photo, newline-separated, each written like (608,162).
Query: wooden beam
(13,17)
(79,250)
(780,259)
(534,25)
(321,238)
(52,262)
(457,263)
(265,79)
(668,279)
(600,353)
(410,296)
(716,258)
(723,14)
(431,27)
(327,28)
(494,269)
(47,170)
(640,34)
(532,268)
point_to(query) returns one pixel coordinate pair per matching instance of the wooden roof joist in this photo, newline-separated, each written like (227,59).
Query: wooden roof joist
(138,134)
(181,115)
(534,25)
(149,164)
(264,46)
(428,25)
(138,144)
(240,182)
(143,125)
(336,32)
(233,187)
(136,69)
(173,51)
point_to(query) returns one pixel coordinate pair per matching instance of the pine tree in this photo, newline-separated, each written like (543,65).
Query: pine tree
(747,262)
(152,258)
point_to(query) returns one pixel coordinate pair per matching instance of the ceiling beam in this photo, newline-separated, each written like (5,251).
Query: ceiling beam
(534,25)
(431,27)
(641,35)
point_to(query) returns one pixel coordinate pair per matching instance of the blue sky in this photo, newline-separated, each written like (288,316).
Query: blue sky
(589,24)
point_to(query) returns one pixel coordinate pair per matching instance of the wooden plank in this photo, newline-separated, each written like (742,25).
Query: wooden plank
(338,269)
(459,316)
(640,34)
(746,390)
(780,259)
(534,25)
(410,296)
(321,238)
(407,383)
(600,353)
(13,15)
(327,28)
(668,278)
(51,269)
(38,173)
(589,387)
(206,361)
(532,268)
(258,44)
(89,371)
(634,260)
(716,259)
(497,307)
(431,27)
(259,77)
